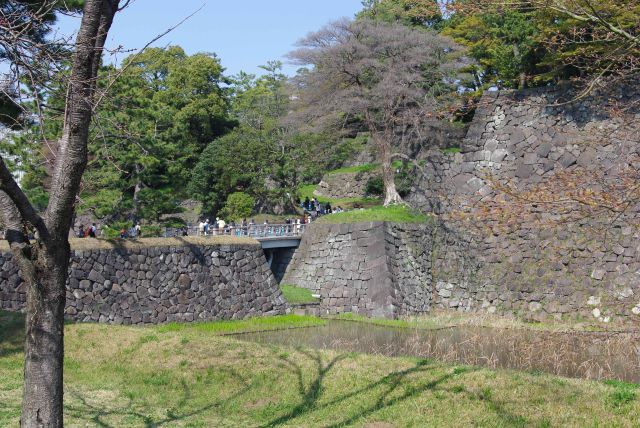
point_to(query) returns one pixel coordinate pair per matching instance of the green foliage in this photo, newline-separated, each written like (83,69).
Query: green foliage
(358,168)
(239,205)
(590,39)
(112,231)
(623,393)
(22,152)
(174,222)
(241,161)
(451,150)
(152,203)
(375,186)
(161,114)
(258,158)
(297,295)
(102,203)
(151,230)
(417,13)
(534,43)
(505,44)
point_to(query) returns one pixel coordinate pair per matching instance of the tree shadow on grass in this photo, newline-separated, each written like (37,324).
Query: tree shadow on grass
(11,333)
(397,387)
(97,414)
(313,392)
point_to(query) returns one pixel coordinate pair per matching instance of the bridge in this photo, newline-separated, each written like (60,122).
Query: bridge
(278,241)
(270,236)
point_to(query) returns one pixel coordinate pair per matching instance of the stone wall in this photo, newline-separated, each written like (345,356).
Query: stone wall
(549,263)
(346,264)
(391,270)
(183,280)
(344,185)
(374,269)
(562,260)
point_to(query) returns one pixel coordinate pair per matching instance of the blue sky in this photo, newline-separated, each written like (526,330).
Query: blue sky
(244,33)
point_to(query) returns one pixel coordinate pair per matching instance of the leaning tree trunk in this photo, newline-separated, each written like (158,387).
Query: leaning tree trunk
(391,195)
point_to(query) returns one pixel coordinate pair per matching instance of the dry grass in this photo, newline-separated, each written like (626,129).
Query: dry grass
(108,244)
(445,319)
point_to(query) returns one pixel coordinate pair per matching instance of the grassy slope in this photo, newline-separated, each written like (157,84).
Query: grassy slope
(126,376)
(395,213)
(297,295)
(306,191)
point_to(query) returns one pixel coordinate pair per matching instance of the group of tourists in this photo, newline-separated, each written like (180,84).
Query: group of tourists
(314,208)
(92,231)
(249,228)
(133,232)
(89,232)
(219,227)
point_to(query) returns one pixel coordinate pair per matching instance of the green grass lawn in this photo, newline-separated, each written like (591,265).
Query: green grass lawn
(394,213)
(117,376)
(296,295)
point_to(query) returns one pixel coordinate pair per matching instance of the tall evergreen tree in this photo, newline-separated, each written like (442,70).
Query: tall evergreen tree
(163,111)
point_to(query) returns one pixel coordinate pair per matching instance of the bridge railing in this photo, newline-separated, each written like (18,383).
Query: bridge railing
(258,231)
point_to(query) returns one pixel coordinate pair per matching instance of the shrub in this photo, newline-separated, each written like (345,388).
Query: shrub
(239,205)
(375,186)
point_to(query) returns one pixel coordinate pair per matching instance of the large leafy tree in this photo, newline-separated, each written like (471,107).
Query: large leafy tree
(417,13)
(164,109)
(505,44)
(549,39)
(387,76)
(260,157)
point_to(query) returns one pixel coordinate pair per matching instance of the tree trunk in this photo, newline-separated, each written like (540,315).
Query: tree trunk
(523,81)
(391,195)
(136,193)
(44,262)
(44,349)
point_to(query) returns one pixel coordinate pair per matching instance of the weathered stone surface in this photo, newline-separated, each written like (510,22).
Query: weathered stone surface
(160,284)
(375,269)
(560,267)
(344,185)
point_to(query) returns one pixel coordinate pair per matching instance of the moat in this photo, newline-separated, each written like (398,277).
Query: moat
(590,355)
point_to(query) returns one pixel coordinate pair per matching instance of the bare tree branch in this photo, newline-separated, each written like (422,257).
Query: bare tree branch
(9,186)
